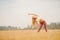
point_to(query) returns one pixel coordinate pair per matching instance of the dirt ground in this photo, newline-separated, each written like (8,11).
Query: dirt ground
(29,35)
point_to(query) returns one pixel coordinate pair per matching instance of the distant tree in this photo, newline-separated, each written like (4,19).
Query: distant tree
(48,26)
(53,25)
(3,28)
(58,26)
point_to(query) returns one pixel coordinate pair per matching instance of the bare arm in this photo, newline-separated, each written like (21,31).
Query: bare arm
(32,14)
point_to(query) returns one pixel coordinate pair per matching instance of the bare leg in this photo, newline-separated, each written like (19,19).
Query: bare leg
(36,24)
(32,26)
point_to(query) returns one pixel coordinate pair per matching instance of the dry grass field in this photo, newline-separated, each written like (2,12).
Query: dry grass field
(29,35)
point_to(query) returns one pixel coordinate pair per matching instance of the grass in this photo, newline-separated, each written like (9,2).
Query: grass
(29,35)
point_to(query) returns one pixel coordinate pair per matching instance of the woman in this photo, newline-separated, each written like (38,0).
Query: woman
(42,22)
(34,20)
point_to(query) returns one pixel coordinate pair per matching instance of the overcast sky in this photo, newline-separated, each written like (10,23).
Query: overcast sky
(15,12)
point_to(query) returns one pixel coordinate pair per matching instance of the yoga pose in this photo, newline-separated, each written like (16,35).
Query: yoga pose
(34,20)
(42,22)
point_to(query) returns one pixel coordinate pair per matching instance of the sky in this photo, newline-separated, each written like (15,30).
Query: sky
(15,12)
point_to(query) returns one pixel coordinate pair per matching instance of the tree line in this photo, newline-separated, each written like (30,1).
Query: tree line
(49,26)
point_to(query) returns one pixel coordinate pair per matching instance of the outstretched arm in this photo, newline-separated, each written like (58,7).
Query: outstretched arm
(32,14)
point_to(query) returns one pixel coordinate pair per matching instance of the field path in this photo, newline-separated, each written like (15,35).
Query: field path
(29,35)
